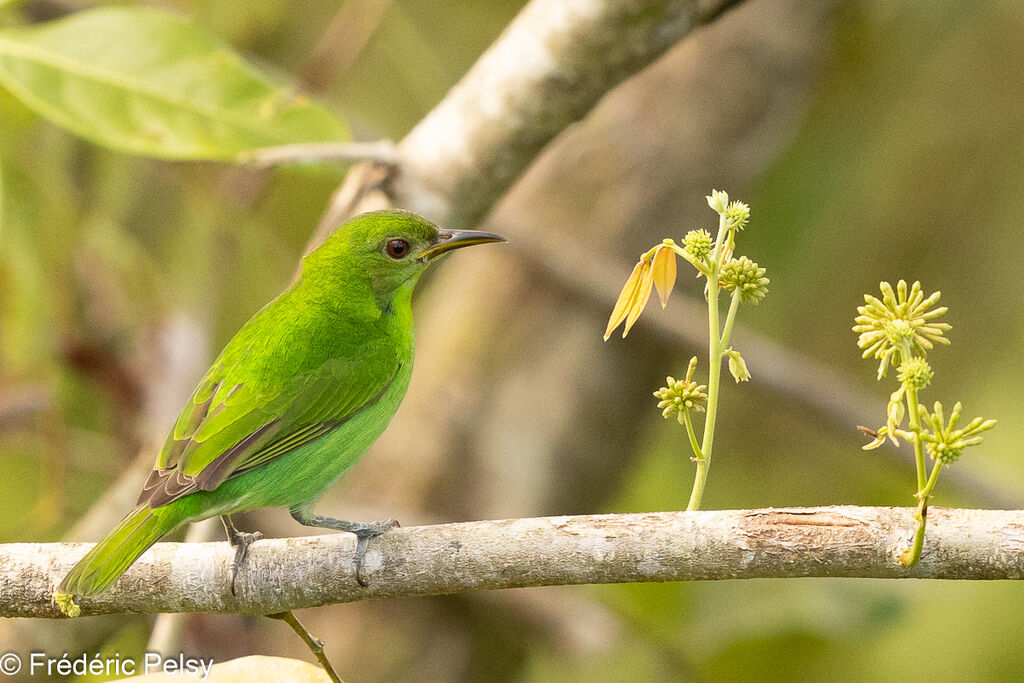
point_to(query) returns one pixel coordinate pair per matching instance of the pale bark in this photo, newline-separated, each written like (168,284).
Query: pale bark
(548,69)
(292,573)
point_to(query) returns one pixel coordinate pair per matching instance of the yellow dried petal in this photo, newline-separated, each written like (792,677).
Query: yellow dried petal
(643,293)
(621,308)
(664,271)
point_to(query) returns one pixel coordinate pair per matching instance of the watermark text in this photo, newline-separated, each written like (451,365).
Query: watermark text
(115,665)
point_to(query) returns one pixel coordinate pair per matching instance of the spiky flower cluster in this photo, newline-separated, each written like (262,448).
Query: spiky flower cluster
(943,441)
(698,244)
(747,276)
(737,215)
(915,373)
(681,395)
(899,322)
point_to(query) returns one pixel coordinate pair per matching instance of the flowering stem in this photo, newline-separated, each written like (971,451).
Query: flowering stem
(910,557)
(900,326)
(716,349)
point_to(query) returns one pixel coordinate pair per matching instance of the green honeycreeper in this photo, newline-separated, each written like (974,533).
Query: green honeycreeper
(294,399)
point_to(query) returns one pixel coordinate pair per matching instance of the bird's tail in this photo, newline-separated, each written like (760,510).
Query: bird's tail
(111,557)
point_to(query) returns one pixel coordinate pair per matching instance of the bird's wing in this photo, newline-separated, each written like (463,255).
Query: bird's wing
(230,426)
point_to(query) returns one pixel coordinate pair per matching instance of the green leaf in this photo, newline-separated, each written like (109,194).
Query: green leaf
(147,82)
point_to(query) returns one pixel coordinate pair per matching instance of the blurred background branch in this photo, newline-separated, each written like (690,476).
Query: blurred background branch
(382,152)
(293,573)
(546,71)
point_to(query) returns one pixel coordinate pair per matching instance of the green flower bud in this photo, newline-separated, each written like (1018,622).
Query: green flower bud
(718,200)
(737,214)
(898,332)
(943,441)
(679,396)
(748,277)
(698,244)
(944,452)
(737,366)
(915,373)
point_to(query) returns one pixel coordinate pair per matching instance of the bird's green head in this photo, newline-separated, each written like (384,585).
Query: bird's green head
(391,247)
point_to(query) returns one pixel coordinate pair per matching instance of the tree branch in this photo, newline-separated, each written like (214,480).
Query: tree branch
(379,152)
(552,64)
(548,69)
(293,573)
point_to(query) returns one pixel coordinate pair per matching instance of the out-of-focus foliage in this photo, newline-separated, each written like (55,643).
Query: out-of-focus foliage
(912,122)
(148,82)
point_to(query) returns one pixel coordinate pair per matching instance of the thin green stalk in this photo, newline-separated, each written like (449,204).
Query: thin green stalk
(716,254)
(699,479)
(714,372)
(927,490)
(715,353)
(693,437)
(910,556)
(914,420)
(925,484)
(730,318)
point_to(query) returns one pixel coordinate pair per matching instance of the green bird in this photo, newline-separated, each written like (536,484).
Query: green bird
(295,398)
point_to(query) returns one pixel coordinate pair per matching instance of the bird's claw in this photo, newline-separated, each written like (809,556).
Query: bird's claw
(363,535)
(241,540)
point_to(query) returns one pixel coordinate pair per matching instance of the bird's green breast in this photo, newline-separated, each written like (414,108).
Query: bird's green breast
(335,363)
(306,473)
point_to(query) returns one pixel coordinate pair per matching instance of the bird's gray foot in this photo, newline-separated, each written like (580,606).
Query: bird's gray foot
(364,532)
(240,541)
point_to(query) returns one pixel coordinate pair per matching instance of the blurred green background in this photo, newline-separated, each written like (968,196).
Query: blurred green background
(873,140)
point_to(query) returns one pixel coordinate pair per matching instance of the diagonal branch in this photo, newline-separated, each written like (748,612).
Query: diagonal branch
(548,69)
(293,573)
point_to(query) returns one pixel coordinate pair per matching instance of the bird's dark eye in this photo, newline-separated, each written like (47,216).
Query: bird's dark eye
(397,249)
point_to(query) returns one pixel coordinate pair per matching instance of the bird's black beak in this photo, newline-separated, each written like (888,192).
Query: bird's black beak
(447,240)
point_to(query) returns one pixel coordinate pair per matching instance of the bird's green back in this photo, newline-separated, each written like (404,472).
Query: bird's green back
(318,353)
